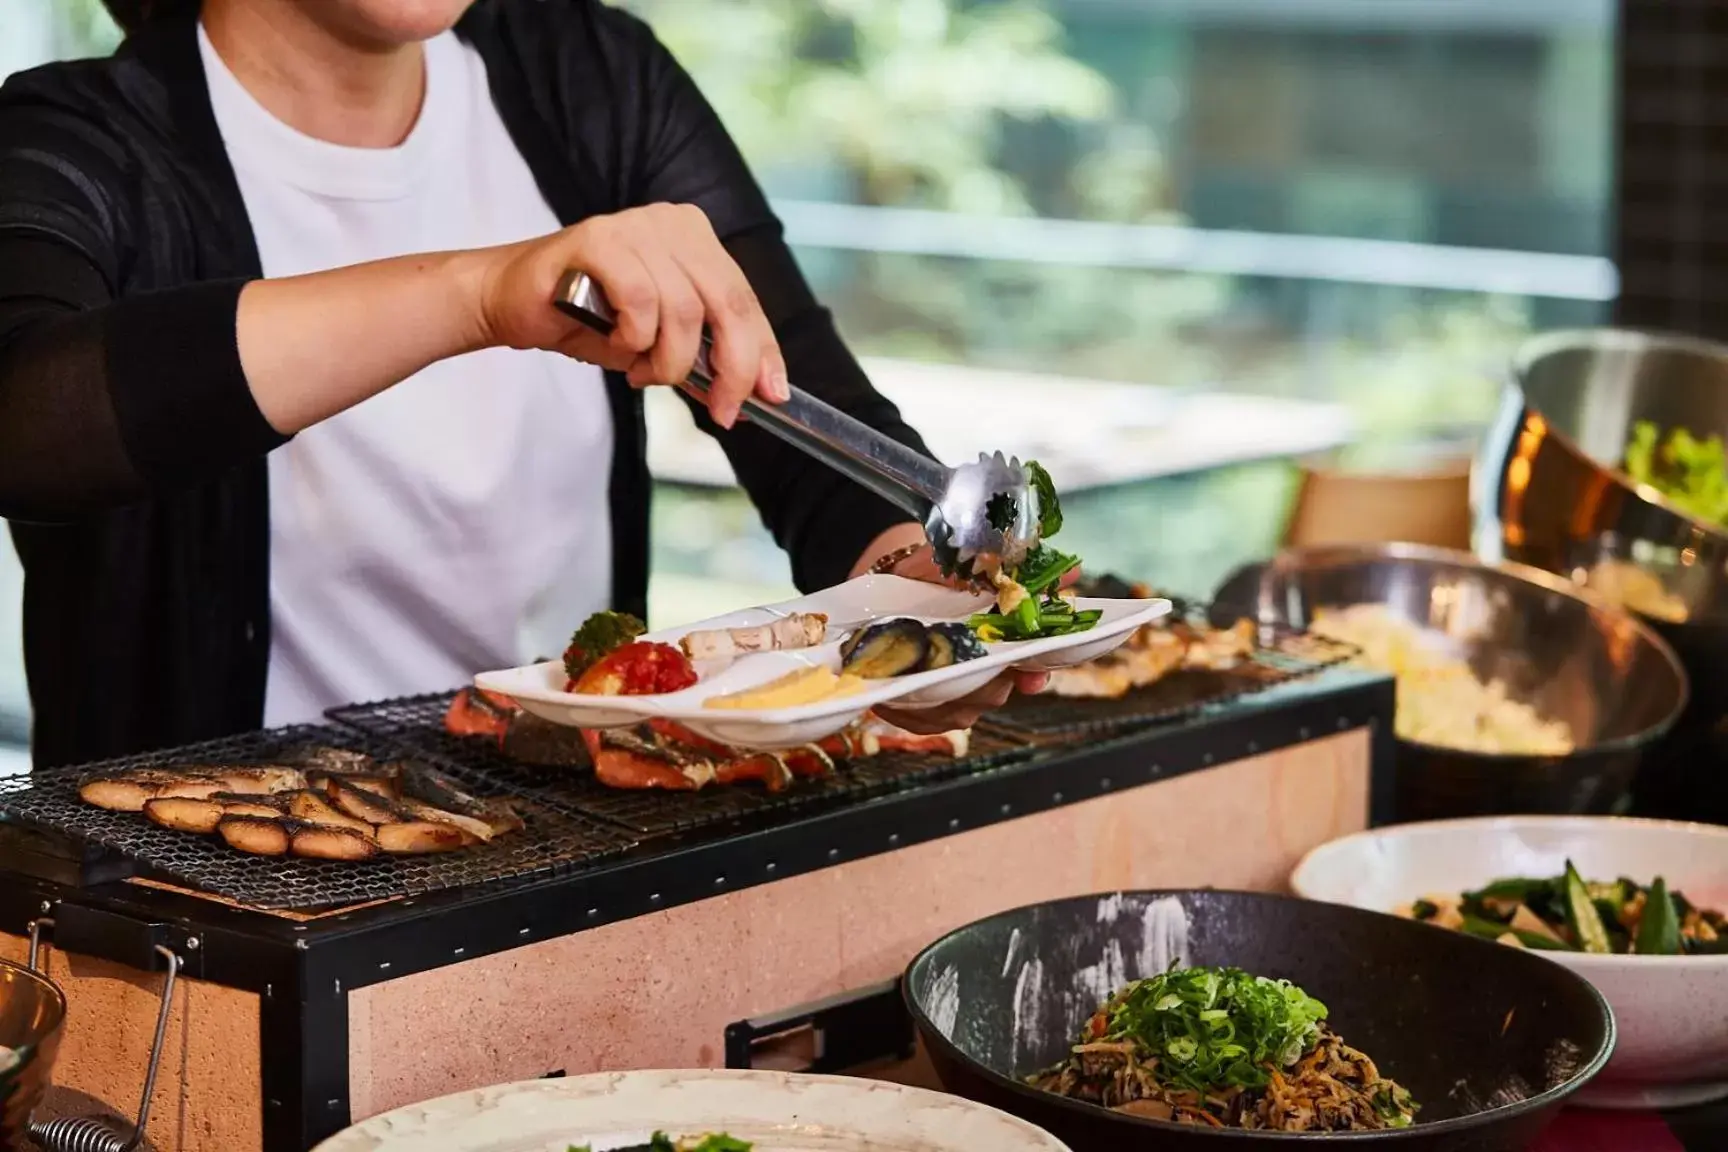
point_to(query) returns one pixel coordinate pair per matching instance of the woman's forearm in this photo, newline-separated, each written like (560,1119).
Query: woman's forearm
(314,345)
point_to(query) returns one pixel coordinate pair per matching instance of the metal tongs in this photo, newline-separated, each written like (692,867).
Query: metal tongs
(984,509)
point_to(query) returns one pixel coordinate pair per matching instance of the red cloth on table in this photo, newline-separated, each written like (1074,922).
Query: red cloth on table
(1584,1131)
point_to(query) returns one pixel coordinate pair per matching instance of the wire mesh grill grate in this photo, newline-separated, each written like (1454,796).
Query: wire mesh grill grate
(551,841)
(417,724)
(1178,695)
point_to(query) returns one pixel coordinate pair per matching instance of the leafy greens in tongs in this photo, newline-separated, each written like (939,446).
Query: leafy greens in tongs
(1030,600)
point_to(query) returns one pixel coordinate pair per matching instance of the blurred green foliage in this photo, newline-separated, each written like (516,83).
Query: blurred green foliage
(920,103)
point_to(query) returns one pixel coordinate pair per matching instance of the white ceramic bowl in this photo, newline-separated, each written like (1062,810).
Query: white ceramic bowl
(1671,1011)
(775,1111)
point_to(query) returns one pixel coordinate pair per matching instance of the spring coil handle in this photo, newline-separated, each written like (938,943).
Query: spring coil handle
(87,1134)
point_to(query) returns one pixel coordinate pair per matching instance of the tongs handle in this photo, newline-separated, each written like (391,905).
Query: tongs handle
(887,467)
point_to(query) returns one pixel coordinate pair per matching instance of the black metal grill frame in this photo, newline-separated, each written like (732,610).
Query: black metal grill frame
(416,724)
(551,841)
(1177,696)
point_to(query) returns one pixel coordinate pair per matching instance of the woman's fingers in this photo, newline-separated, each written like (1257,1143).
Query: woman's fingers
(681,315)
(966,711)
(667,277)
(605,249)
(744,357)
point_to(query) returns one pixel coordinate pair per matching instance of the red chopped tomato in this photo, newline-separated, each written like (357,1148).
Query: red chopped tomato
(639,669)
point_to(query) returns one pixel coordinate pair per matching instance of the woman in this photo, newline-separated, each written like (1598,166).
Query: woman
(286,417)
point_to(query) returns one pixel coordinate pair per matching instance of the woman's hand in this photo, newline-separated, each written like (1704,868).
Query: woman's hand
(665,274)
(315,345)
(966,711)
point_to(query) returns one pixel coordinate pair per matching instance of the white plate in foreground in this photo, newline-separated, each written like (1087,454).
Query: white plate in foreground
(775,1111)
(539,688)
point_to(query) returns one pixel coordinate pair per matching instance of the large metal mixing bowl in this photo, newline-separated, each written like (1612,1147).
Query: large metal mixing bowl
(1548,490)
(32,1009)
(1612,680)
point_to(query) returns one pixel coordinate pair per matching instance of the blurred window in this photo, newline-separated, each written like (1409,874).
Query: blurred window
(1339,206)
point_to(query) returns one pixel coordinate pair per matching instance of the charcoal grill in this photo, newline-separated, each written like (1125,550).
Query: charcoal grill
(1281,657)
(416,724)
(550,840)
(702,942)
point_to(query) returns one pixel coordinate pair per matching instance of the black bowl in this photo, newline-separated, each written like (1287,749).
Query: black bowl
(1490,1040)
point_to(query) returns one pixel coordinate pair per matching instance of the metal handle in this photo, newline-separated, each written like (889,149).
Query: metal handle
(887,467)
(844,1032)
(88,1134)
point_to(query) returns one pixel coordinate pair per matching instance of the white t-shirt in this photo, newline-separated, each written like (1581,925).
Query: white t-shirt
(459,520)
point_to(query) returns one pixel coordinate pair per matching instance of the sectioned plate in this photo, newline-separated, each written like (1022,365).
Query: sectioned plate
(773,1111)
(539,688)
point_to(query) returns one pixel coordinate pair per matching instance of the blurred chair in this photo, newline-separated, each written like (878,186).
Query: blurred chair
(1342,506)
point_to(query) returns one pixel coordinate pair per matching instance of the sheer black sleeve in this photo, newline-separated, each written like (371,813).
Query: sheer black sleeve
(105,397)
(823,520)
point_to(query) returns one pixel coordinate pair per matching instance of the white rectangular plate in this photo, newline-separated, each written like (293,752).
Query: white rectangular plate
(539,688)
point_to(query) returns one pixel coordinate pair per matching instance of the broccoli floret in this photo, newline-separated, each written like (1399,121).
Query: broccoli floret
(600,635)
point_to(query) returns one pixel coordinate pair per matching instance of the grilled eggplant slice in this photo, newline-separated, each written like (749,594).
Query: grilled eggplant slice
(951,644)
(885,649)
(257,835)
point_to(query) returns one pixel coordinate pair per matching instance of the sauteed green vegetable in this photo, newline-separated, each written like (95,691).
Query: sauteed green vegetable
(1567,913)
(1226,1049)
(1690,472)
(1029,603)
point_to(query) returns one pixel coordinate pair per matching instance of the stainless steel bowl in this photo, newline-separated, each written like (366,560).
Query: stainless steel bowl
(32,1010)
(1611,679)
(1548,490)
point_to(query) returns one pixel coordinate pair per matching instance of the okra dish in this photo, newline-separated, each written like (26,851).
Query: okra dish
(1567,913)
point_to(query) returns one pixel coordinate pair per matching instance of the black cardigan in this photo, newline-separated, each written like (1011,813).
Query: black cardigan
(131,451)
